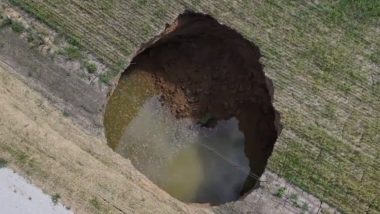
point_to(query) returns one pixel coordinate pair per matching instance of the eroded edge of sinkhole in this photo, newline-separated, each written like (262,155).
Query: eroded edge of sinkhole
(209,72)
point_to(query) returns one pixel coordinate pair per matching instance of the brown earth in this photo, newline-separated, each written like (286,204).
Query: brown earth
(208,72)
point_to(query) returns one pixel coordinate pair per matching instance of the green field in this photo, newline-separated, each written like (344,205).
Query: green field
(324,59)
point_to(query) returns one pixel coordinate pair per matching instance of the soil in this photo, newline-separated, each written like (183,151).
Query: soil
(62,86)
(208,72)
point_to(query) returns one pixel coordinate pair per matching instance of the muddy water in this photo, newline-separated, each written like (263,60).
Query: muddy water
(190,162)
(125,102)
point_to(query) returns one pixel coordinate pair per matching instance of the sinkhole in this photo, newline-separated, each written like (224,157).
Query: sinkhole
(193,112)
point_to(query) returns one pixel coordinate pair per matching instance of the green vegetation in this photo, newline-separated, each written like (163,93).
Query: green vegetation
(375,57)
(66,114)
(105,78)
(5,22)
(95,203)
(73,53)
(91,67)
(3,163)
(321,55)
(35,39)
(305,207)
(329,111)
(22,157)
(55,198)
(280,192)
(294,199)
(17,27)
(74,42)
(112,72)
(360,11)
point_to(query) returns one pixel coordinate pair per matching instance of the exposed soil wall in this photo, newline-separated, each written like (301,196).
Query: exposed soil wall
(208,72)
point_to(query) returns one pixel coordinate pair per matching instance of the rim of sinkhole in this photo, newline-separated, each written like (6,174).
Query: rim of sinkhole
(198,81)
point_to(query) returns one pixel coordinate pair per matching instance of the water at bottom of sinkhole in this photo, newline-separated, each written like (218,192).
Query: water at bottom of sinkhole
(192,163)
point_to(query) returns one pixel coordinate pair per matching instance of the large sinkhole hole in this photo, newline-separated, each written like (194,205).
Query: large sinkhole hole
(193,112)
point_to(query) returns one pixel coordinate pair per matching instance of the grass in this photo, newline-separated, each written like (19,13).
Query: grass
(17,27)
(280,192)
(33,37)
(73,41)
(55,198)
(322,56)
(108,76)
(3,163)
(360,11)
(305,207)
(65,113)
(90,67)
(95,203)
(105,78)
(5,22)
(73,53)
(329,111)
(294,199)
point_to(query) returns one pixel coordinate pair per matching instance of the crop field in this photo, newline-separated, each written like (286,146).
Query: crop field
(323,57)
